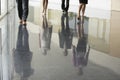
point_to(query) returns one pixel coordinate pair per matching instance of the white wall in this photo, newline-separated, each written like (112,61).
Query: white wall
(116,5)
(95,8)
(3,6)
(99,4)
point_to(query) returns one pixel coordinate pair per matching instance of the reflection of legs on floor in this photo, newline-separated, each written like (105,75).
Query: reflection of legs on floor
(25,38)
(22,41)
(19,40)
(80,71)
(65,52)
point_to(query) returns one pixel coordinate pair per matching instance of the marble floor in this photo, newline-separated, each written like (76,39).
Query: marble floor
(60,47)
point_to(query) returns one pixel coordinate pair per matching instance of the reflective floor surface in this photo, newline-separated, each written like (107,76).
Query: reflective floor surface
(60,47)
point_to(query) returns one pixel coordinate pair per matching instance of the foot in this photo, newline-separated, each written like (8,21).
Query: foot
(24,22)
(20,21)
(78,17)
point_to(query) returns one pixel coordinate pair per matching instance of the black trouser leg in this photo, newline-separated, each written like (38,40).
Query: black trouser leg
(20,10)
(67,5)
(25,9)
(63,5)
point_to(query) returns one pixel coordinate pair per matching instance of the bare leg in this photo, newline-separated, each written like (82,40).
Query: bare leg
(83,9)
(46,4)
(80,7)
(43,6)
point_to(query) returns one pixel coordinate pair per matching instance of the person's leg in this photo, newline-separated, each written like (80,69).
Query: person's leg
(79,11)
(25,10)
(43,6)
(20,11)
(67,5)
(46,4)
(63,5)
(83,9)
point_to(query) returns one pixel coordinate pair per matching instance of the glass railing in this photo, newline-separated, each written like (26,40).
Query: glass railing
(6,6)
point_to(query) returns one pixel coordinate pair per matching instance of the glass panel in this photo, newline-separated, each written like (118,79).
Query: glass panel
(0,57)
(3,6)
(0,7)
(11,4)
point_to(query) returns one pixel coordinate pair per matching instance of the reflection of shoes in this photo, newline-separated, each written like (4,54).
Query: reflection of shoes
(23,78)
(64,12)
(31,71)
(44,54)
(20,21)
(65,53)
(24,25)
(79,22)
(80,72)
(28,74)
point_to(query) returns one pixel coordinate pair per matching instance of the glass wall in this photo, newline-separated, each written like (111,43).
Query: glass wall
(11,4)
(99,38)
(0,7)
(0,48)
(5,6)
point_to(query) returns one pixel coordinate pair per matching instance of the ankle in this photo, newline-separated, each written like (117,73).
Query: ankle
(24,22)
(20,21)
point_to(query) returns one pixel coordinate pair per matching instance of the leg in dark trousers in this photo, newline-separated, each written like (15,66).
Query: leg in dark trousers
(67,5)
(20,10)
(25,9)
(63,5)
